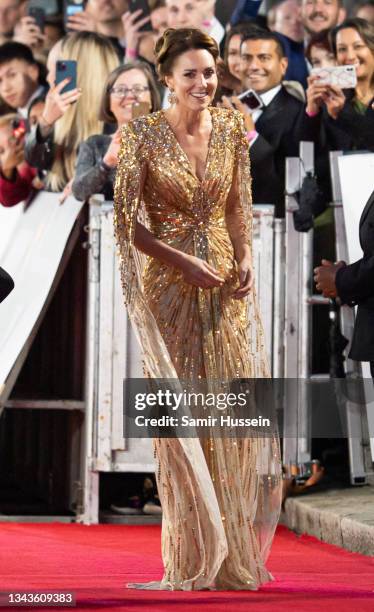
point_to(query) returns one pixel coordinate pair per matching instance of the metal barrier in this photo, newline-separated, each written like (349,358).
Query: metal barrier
(298,324)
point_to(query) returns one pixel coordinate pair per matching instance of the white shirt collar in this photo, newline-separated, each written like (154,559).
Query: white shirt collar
(269,95)
(267,98)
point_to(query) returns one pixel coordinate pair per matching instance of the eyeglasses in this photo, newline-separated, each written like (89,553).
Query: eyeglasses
(122,92)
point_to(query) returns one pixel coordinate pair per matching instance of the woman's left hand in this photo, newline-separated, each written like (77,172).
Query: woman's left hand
(245,273)
(334,100)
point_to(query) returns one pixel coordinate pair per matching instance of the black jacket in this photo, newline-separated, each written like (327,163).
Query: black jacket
(6,284)
(355,285)
(281,127)
(351,131)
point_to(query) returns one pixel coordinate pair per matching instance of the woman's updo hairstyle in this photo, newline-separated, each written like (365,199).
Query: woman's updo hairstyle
(175,42)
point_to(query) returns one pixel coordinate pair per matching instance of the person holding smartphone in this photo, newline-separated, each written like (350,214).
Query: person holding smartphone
(129,91)
(16,175)
(71,114)
(29,31)
(346,117)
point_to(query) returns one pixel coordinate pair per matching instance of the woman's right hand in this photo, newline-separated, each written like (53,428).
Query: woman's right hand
(200,273)
(111,156)
(314,95)
(57,103)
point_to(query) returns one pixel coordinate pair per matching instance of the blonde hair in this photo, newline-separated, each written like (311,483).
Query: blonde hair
(6,120)
(96,58)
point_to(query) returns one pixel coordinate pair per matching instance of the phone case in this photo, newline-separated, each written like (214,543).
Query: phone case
(39,15)
(140,109)
(339,76)
(251,99)
(66,69)
(72,8)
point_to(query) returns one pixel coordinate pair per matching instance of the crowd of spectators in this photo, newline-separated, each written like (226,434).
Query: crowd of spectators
(67,141)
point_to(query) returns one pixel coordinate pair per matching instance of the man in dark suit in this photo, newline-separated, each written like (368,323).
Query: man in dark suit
(6,284)
(274,131)
(354,285)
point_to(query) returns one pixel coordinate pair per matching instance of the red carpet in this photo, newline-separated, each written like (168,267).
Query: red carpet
(97,561)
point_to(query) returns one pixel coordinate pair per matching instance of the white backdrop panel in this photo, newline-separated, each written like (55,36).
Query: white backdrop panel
(35,246)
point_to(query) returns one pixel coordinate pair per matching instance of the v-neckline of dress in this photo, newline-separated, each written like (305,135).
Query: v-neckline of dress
(186,158)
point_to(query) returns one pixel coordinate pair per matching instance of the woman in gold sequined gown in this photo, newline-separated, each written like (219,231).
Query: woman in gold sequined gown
(183,198)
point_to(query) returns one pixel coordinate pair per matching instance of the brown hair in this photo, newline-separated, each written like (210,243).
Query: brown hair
(240,29)
(156,4)
(320,40)
(175,42)
(258,33)
(6,120)
(106,114)
(362,27)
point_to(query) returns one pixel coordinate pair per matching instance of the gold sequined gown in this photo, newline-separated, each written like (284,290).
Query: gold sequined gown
(220,498)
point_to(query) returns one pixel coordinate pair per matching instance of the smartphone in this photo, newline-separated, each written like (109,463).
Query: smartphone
(72,7)
(39,15)
(344,77)
(136,5)
(251,99)
(139,109)
(19,128)
(66,69)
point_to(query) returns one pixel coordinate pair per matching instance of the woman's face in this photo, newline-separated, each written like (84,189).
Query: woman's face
(233,56)
(194,79)
(130,87)
(321,57)
(352,49)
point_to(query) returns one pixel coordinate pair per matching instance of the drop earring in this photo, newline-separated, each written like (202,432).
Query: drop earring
(172,98)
